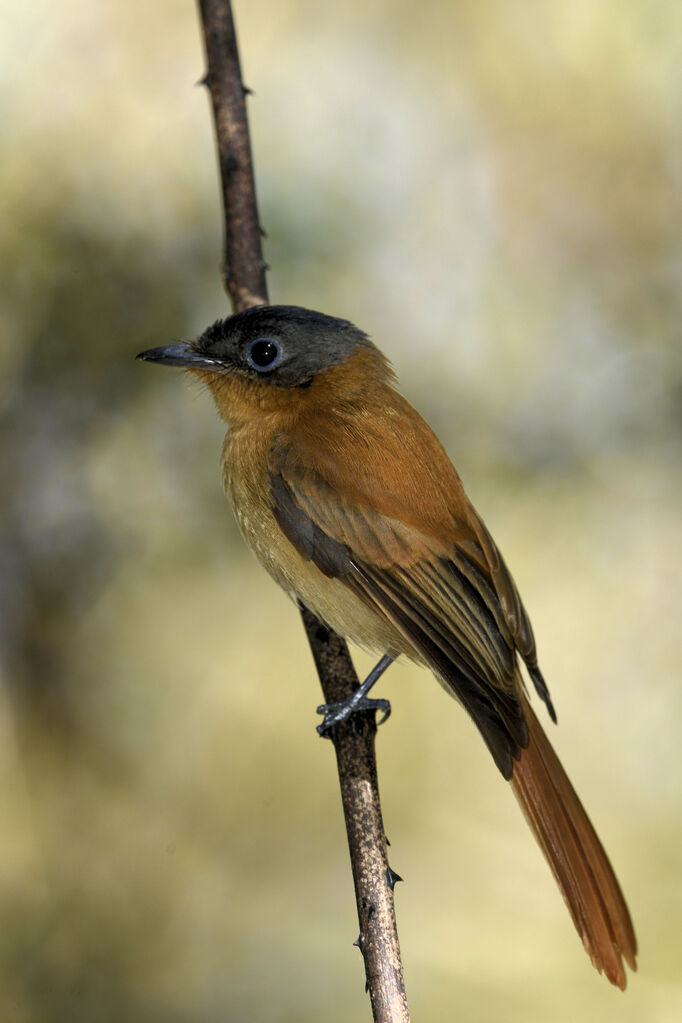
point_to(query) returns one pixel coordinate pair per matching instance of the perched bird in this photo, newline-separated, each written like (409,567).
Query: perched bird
(348,499)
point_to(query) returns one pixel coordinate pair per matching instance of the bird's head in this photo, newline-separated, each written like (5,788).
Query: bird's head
(268,357)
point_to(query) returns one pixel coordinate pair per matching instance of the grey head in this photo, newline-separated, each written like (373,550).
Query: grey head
(286,343)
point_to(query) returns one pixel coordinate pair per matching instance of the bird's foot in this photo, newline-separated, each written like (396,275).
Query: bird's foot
(335,713)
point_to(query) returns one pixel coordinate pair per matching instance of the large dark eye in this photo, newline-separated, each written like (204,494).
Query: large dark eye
(263,354)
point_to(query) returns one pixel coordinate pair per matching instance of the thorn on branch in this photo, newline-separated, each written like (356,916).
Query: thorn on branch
(392,878)
(246,90)
(204,80)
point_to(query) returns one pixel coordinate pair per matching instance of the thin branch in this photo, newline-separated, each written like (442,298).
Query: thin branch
(354,740)
(373,878)
(243,264)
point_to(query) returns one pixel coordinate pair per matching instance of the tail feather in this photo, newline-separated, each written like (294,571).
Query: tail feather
(575,855)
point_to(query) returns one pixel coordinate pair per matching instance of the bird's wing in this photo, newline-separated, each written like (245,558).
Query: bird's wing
(444,589)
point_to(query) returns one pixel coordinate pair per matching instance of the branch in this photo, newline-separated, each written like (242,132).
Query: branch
(373,878)
(243,265)
(354,740)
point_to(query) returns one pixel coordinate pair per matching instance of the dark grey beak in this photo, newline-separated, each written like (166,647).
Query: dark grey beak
(180,355)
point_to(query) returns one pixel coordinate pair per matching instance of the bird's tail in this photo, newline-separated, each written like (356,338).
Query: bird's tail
(575,855)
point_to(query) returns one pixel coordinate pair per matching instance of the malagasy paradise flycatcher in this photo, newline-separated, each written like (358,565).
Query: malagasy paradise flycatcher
(349,501)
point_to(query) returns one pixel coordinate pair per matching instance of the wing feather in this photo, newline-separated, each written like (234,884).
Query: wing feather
(440,597)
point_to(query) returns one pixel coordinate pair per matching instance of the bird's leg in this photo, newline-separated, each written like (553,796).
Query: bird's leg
(334,713)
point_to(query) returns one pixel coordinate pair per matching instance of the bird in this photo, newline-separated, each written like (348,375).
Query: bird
(350,502)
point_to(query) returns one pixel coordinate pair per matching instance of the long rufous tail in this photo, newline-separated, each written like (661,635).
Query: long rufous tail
(575,855)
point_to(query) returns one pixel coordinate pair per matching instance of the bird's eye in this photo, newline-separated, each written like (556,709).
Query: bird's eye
(263,354)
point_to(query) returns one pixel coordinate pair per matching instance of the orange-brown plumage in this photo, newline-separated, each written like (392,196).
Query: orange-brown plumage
(350,502)
(575,855)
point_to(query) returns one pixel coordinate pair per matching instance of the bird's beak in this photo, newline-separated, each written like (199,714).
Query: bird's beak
(180,355)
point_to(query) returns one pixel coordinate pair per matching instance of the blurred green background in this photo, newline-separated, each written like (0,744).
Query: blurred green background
(492,191)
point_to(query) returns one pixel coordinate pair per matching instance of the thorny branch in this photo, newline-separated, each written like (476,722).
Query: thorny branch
(354,740)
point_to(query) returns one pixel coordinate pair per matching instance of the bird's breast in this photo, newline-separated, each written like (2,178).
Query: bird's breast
(247,484)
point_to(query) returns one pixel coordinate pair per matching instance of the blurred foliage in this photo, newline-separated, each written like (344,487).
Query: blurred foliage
(492,190)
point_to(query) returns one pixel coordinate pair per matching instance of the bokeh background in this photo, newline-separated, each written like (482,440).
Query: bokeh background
(492,191)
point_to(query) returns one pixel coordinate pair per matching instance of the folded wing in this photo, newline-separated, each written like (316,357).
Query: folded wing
(439,591)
